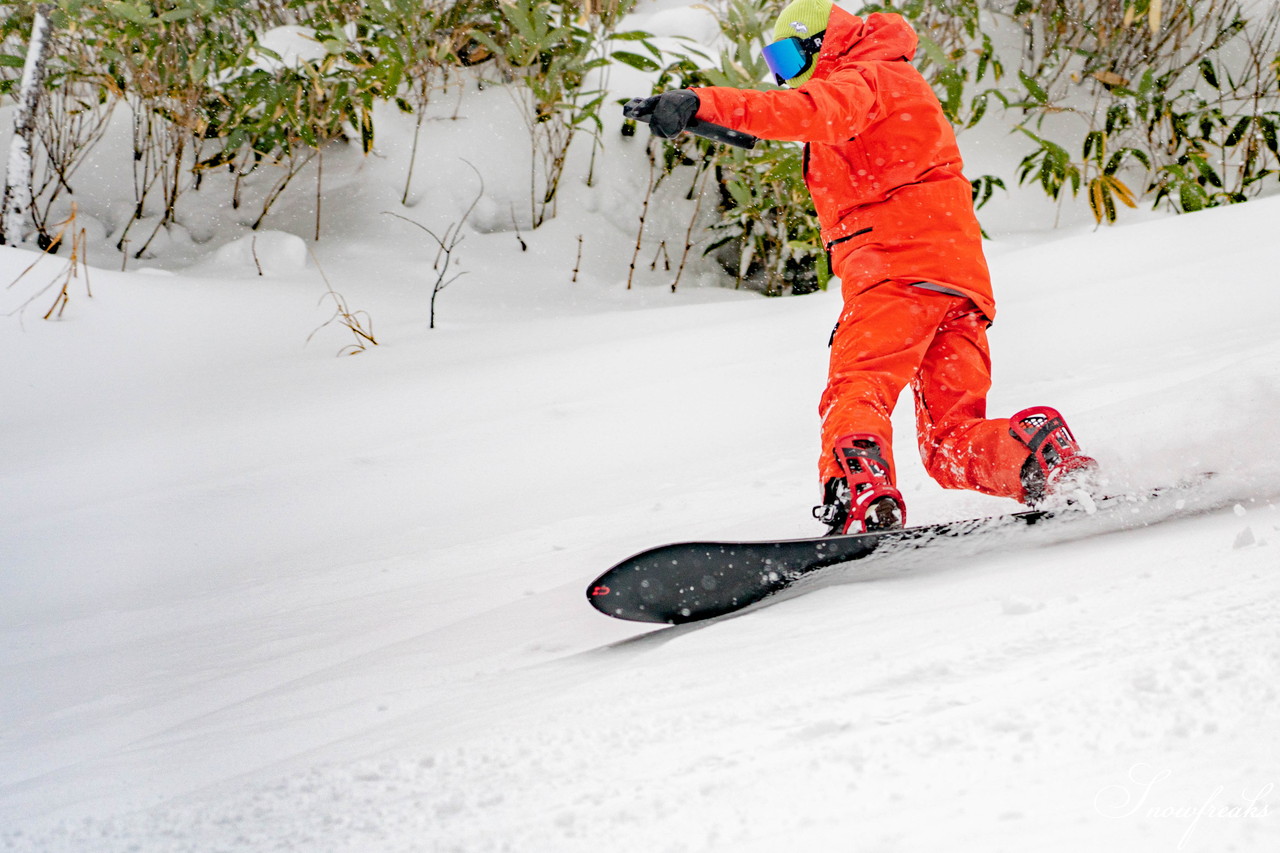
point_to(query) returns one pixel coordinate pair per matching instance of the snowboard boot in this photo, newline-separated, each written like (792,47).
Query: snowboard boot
(864,500)
(1056,468)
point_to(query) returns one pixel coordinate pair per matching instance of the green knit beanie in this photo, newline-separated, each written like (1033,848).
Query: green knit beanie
(805,19)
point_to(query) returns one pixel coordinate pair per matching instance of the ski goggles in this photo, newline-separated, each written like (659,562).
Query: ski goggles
(790,57)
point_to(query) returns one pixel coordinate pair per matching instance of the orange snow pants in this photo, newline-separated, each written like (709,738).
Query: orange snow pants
(894,334)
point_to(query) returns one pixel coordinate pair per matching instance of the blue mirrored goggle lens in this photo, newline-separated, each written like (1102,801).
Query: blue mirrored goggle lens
(786,58)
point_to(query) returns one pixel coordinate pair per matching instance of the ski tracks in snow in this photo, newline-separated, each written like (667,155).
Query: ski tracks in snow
(1118,691)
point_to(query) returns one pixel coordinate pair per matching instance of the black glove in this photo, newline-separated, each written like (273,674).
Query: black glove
(669,113)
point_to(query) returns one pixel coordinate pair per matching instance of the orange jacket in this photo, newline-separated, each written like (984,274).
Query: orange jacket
(881,159)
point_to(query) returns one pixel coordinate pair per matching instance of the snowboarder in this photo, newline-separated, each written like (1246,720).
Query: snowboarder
(882,165)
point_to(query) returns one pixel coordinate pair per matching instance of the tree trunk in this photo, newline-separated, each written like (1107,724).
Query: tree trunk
(17,182)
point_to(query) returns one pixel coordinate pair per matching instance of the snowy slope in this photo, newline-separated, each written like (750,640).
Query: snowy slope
(257,597)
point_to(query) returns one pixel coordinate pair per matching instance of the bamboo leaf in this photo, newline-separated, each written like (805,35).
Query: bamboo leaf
(1122,191)
(741,195)
(1095,200)
(1237,133)
(1209,73)
(631,35)
(635,60)
(1034,89)
(1110,79)
(1269,135)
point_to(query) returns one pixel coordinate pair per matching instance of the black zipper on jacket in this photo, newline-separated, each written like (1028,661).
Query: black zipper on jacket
(831,261)
(849,237)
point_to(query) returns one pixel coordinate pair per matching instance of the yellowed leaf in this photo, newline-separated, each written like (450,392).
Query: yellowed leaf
(1110,78)
(1122,192)
(1096,201)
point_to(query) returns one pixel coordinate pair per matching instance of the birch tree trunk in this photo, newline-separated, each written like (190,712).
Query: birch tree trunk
(17,181)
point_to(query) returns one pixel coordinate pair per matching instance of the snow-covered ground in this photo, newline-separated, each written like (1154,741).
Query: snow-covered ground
(255,596)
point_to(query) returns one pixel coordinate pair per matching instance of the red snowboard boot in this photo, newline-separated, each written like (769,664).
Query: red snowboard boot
(864,500)
(1056,467)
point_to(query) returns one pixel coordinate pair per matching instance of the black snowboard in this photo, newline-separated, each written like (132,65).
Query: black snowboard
(691,581)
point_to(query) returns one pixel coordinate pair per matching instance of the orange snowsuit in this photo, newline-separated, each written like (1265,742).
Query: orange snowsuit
(896,211)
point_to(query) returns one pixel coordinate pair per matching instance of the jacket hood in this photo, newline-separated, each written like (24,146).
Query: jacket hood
(884,37)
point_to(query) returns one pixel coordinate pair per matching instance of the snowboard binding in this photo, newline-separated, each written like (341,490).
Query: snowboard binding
(864,500)
(1056,467)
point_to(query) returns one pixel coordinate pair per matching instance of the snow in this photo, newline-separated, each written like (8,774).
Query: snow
(256,596)
(292,44)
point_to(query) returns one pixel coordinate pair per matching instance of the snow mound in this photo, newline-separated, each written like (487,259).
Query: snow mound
(295,45)
(266,252)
